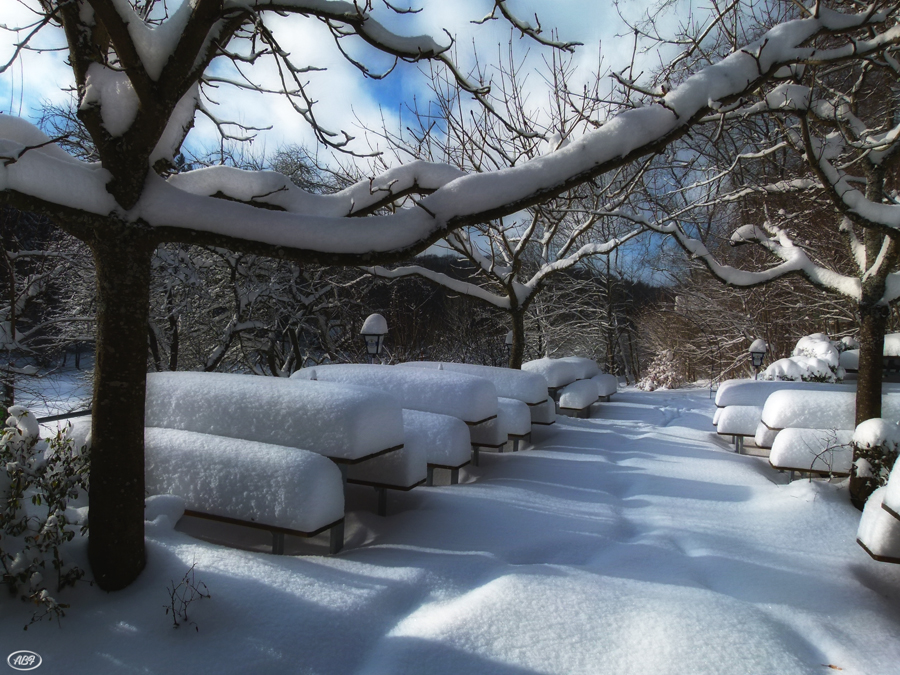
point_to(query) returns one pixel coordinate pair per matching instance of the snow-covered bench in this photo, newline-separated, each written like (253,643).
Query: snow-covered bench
(279,489)
(576,398)
(471,399)
(530,388)
(607,385)
(557,372)
(879,527)
(806,409)
(348,425)
(272,487)
(822,452)
(448,444)
(515,420)
(739,401)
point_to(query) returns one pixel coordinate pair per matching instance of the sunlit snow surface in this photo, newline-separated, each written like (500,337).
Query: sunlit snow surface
(633,542)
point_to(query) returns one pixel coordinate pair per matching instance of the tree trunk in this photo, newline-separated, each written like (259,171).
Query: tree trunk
(872,323)
(116,539)
(517,350)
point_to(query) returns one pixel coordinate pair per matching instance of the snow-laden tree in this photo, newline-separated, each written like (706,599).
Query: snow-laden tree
(141,70)
(815,168)
(516,258)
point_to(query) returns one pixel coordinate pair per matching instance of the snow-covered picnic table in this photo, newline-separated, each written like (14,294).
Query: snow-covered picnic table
(510,383)
(821,451)
(469,398)
(819,409)
(348,425)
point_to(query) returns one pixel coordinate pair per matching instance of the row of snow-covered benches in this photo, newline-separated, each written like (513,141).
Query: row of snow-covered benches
(807,425)
(275,453)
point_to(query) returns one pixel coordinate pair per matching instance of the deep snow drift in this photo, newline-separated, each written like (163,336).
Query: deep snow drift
(633,542)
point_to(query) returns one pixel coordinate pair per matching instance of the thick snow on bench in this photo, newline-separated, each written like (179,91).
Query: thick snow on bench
(607,384)
(509,383)
(738,420)
(878,530)
(545,413)
(891,493)
(471,399)
(586,368)
(755,392)
(812,450)
(514,416)
(334,420)
(446,438)
(557,372)
(819,409)
(400,469)
(257,482)
(578,395)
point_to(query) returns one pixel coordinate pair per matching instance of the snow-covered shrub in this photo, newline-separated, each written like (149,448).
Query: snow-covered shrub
(665,372)
(815,359)
(37,479)
(875,445)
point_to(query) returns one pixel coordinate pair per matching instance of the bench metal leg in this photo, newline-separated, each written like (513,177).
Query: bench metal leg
(337,538)
(515,445)
(278,543)
(382,500)
(343,468)
(429,480)
(475,455)
(739,444)
(454,476)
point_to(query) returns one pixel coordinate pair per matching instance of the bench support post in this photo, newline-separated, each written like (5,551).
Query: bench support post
(278,543)
(454,476)
(429,481)
(739,444)
(337,538)
(475,455)
(515,445)
(382,500)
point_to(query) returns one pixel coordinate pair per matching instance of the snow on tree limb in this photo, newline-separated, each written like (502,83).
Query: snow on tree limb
(466,200)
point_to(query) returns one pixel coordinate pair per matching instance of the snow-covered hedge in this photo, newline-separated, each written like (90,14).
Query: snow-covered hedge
(815,359)
(38,479)
(876,443)
(664,372)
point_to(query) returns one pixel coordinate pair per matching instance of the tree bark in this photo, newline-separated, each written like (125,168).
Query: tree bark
(872,323)
(517,350)
(116,538)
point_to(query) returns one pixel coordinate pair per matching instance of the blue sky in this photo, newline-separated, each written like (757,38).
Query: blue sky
(342,92)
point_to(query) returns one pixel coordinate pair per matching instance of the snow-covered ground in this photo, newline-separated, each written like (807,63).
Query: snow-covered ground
(633,542)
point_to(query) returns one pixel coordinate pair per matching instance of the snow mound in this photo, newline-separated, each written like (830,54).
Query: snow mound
(471,399)
(335,420)
(891,494)
(257,482)
(509,383)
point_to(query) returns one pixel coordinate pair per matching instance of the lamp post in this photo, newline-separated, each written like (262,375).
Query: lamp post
(373,331)
(757,353)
